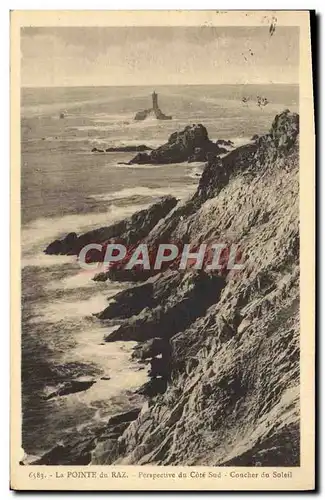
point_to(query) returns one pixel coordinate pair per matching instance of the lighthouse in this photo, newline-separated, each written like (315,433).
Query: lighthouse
(142,115)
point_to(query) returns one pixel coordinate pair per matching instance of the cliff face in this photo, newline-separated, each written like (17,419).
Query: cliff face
(229,381)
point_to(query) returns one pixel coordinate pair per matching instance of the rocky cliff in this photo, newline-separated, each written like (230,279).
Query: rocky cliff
(231,345)
(223,347)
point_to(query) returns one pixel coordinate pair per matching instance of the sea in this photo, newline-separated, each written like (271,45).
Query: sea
(65,187)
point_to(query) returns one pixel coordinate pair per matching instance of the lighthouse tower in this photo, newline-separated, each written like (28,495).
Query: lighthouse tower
(155,101)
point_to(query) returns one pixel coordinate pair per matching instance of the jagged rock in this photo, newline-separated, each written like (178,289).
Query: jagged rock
(128,231)
(153,387)
(127,416)
(66,455)
(255,137)
(97,150)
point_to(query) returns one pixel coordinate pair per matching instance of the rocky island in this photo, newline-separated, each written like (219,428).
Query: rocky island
(154,110)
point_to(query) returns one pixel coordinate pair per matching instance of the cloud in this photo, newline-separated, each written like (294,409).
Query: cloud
(122,56)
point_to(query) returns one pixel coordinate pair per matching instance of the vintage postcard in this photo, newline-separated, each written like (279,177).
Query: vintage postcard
(163,171)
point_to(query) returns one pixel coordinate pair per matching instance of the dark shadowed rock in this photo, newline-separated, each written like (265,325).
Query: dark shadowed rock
(250,157)
(151,348)
(76,453)
(285,129)
(96,150)
(159,367)
(102,276)
(131,301)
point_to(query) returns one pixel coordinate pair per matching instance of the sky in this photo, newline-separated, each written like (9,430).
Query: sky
(158,56)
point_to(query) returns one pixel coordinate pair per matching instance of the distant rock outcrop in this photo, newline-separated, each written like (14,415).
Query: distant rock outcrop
(128,231)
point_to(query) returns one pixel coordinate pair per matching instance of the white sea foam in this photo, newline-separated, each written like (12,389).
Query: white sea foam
(180,192)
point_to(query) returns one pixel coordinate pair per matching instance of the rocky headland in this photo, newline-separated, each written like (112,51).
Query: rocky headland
(223,348)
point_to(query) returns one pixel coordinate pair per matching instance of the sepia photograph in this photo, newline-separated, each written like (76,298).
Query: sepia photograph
(160,247)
